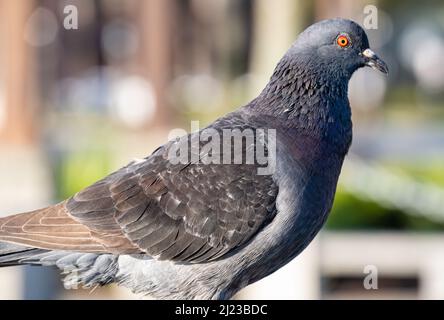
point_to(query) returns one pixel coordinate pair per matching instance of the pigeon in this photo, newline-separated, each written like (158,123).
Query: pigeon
(200,229)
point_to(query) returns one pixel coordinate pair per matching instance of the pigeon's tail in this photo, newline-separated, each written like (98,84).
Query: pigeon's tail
(81,269)
(12,254)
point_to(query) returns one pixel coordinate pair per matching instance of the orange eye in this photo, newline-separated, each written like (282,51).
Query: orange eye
(342,41)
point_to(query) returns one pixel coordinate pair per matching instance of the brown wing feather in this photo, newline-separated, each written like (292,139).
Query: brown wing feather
(53,228)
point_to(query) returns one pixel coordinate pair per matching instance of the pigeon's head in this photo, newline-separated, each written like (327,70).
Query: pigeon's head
(340,45)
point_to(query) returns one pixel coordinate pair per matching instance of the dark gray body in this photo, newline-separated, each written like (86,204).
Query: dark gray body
(303,203)
(306,175)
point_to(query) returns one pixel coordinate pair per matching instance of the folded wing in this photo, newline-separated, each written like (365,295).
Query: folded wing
(192,212)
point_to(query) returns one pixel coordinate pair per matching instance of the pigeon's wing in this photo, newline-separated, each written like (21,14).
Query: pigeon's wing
(188,211)
(191,211)
(53,228)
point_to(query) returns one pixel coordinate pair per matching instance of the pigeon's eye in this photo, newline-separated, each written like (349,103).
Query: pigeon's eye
(343,41)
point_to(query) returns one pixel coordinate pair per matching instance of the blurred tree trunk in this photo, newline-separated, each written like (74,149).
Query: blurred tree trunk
(276,25)
(327,9)
(25,182)
(16,89)
(156,18)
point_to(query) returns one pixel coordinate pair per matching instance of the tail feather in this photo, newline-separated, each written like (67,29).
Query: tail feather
(12,254)
(81,269)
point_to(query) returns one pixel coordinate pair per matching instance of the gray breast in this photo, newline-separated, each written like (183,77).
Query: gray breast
(304,201)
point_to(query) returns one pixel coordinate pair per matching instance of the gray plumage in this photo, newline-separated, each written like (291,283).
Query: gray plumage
(205,231)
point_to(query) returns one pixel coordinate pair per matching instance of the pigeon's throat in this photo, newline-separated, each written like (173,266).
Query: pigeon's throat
(311,100)
(308,104)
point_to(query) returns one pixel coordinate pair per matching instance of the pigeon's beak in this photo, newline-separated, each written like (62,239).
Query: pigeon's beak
(372,60)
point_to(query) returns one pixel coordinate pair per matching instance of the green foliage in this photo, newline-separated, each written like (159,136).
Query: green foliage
(78,170)
(429,170)
(352,213)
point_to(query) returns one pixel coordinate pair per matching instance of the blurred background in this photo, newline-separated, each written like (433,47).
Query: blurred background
(78,103)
